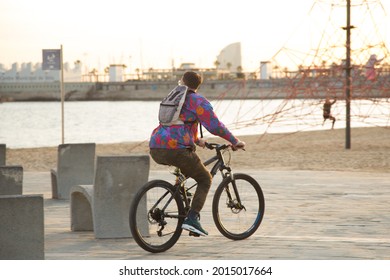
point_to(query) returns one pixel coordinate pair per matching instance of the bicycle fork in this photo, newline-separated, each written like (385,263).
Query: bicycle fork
(235,205)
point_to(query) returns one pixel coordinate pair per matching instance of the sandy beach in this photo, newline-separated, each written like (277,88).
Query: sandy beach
(316,150)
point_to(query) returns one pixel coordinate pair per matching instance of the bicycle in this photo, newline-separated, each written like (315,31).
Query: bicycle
(159,208)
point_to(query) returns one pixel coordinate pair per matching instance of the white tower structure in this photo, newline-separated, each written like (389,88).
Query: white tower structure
(116,72)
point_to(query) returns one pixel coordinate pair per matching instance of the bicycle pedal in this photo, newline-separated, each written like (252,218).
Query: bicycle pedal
(190,233)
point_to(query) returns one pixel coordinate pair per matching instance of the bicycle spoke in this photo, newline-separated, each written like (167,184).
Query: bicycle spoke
(238,217)
(158,228)
(232,215)
(157,211)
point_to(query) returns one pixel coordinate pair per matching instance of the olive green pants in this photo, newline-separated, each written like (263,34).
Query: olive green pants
(190,165)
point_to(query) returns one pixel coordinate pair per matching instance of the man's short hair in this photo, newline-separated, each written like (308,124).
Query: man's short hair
(192,79)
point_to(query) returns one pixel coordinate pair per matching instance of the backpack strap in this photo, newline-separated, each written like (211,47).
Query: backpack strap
(190,91)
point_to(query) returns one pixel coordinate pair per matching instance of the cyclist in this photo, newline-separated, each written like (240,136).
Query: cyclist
(175,145)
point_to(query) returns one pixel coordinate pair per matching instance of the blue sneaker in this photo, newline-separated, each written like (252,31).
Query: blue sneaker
(194,226)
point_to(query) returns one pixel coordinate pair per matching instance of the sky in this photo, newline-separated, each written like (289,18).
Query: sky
(148,33)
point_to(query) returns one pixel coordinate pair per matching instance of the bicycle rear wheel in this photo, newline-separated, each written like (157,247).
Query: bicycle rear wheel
(233,219)
(156,216)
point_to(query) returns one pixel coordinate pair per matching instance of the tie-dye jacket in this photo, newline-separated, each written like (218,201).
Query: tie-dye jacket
(196,109)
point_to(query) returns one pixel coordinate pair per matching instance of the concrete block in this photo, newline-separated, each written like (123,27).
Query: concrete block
(75,166)
(54,185)
(22,227)
(11,180)
(117,179)
(2,154)
(81,208)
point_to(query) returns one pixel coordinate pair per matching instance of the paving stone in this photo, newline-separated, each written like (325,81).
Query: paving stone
(309,215)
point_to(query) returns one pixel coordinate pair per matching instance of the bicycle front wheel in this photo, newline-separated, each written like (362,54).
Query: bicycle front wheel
(238,206)
(156,216)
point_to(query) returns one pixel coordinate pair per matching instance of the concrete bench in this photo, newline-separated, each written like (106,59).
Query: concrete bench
(11,180)
(2,154)
(22,227)
(75,166)
(104,206)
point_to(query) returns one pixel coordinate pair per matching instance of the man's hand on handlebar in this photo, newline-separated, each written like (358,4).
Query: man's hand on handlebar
(238,146)
(201,143)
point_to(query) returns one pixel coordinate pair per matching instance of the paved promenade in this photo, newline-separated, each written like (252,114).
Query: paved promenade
(309,215)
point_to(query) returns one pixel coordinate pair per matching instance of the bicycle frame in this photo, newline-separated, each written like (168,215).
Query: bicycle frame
(168,205)
(219,165)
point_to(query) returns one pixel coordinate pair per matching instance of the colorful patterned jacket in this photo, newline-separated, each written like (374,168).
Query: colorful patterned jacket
(196,109)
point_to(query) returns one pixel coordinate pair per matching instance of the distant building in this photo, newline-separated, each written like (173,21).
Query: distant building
(28,73)
(117,72)
(227,66)
(187,66)
(265,70)
(230,58)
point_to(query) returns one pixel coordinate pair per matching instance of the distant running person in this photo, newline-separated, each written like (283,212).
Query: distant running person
(327,111)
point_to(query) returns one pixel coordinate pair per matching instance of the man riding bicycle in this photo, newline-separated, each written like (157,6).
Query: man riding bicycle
(175,145)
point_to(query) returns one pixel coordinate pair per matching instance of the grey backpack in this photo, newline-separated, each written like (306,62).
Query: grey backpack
(170,107)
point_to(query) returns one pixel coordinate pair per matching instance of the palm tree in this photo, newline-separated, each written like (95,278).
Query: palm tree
(95,73)
(240,75)
(276,71)
(216,64)
(228,65)
(285,72)
(137,71)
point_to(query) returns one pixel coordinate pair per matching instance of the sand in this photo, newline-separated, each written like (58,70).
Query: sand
(316,150)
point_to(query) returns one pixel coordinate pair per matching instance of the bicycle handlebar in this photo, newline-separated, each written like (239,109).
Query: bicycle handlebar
(212,146)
